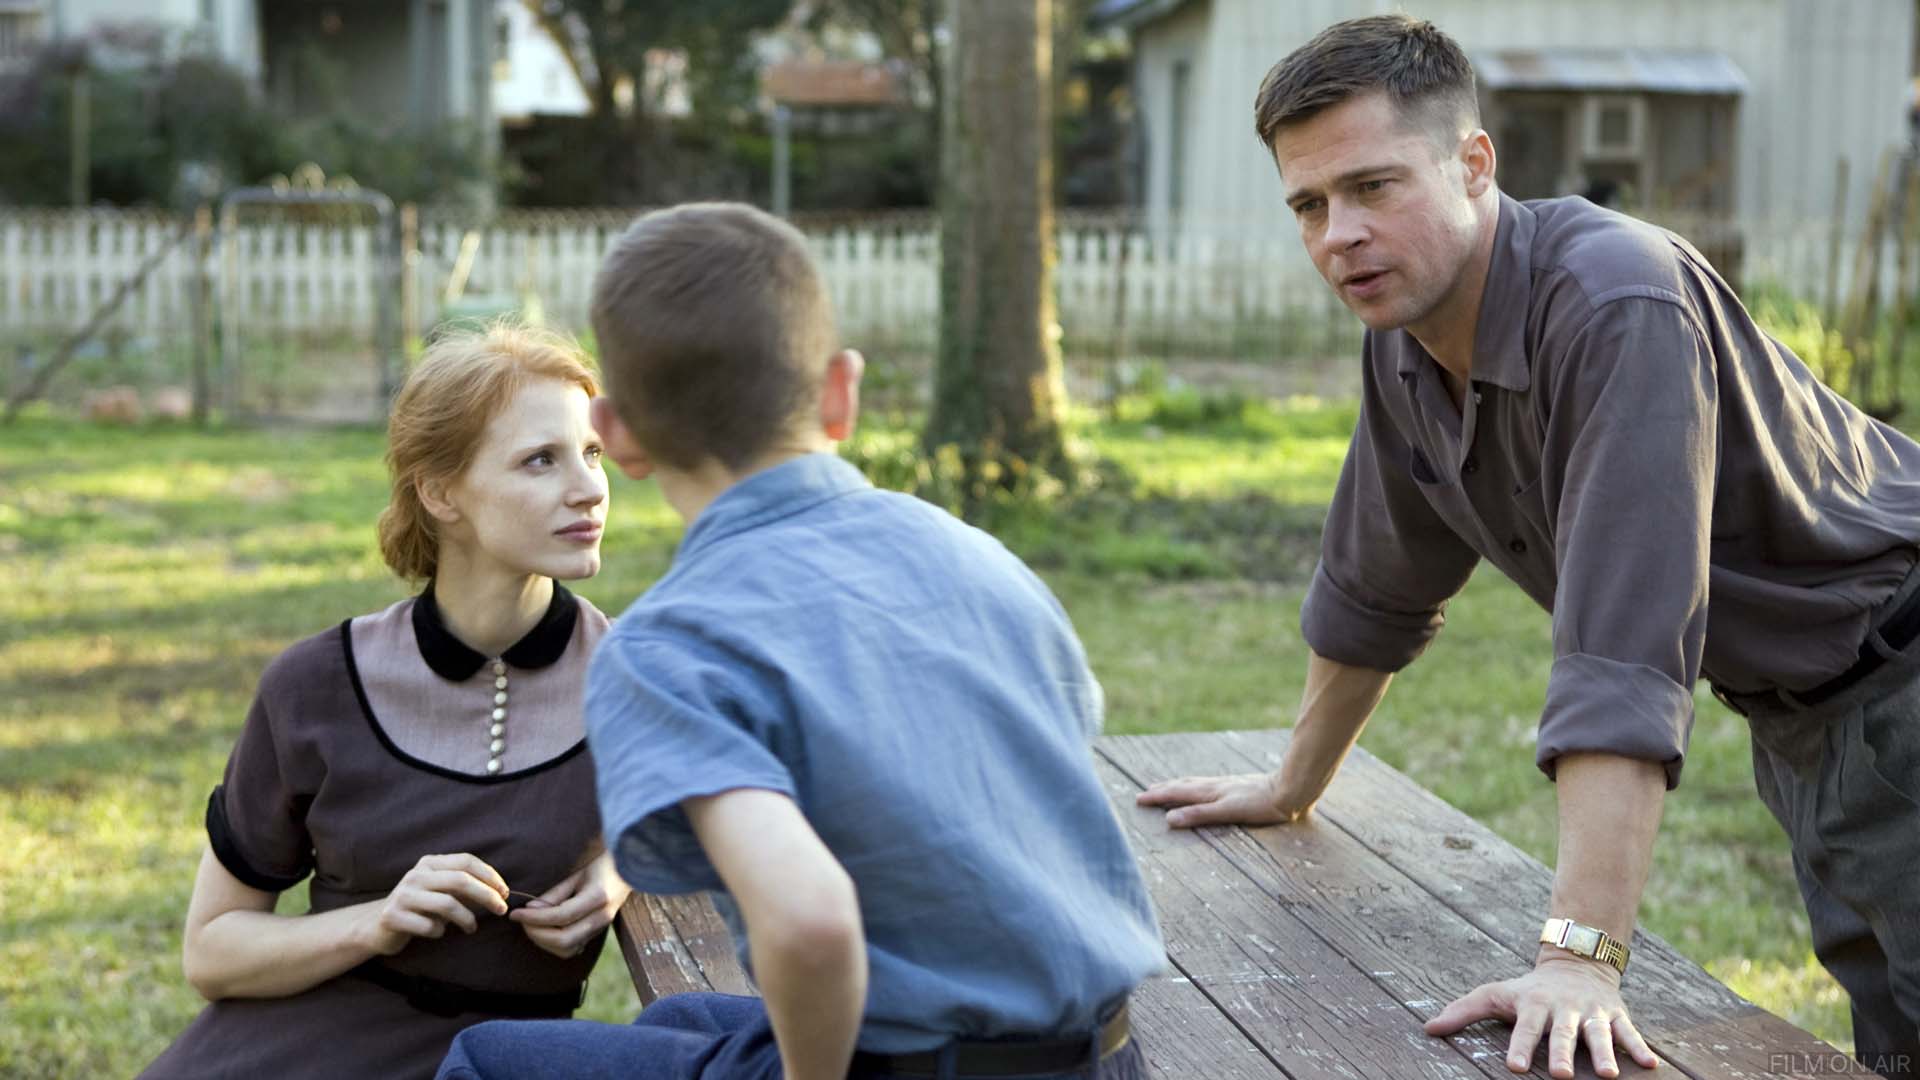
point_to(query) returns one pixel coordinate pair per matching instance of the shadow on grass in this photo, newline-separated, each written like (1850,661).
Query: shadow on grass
(74,768)
(274,612)
(144,684)
(165,518)
(1117,527)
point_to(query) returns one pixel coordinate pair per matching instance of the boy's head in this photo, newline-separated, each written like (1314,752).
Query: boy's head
(716,338)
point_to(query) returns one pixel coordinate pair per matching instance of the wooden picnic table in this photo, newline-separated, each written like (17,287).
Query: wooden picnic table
(1318,949)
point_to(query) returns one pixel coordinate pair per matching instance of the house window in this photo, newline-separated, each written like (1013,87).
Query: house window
(1615,127)
(20,34)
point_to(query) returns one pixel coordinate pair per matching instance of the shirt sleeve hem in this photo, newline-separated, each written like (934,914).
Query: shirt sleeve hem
(654,847)
(1339,627)
(226,848)
(1597,705)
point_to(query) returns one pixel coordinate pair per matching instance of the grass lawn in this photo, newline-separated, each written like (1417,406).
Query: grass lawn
(152,573)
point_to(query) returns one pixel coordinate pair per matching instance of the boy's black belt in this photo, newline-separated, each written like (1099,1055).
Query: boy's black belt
(1898,631)
(440,998)
(1005,1057)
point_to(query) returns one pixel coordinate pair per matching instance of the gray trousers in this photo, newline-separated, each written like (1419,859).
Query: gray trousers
(1843,779)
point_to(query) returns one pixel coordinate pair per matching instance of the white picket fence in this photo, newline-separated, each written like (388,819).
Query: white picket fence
(1218,289)
(1116,284)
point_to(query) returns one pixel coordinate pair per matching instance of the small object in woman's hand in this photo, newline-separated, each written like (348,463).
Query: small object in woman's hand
(517,900)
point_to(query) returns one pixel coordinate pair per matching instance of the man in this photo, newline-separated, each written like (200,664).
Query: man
(1579,399)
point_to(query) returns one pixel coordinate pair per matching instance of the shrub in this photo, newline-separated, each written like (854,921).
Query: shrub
(1798,325)
(170,129)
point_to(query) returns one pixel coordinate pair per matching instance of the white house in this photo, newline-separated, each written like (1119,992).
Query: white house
(422,61)
(531,77)
(1732,109)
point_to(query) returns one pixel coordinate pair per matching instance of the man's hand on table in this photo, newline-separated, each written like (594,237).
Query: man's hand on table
(1250,799)
(1570,1000)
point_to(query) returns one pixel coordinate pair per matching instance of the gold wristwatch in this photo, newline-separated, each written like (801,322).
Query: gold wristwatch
(1586,941)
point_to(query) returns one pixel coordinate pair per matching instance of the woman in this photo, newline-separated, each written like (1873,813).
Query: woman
(425,763)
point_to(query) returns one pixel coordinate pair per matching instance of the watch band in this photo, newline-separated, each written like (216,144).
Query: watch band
(1583,940)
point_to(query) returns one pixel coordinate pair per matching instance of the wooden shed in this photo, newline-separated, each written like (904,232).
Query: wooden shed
(1723,110)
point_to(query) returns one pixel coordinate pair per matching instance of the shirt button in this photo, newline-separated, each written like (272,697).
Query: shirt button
(1517,546)
(1470,466)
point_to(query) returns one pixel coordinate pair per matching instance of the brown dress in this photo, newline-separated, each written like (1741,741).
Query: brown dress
(318,785)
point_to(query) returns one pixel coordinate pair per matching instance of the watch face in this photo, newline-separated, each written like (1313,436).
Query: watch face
(1584,940)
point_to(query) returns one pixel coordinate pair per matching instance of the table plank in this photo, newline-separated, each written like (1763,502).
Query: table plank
(1307,1006)
(679,944)
(705,936)
(1184,1035)
(1315,950)
(1695,1021)
(1380,922)
(660,963)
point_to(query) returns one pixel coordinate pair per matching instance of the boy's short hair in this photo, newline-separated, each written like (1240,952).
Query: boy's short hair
(714,330)
(1422,71)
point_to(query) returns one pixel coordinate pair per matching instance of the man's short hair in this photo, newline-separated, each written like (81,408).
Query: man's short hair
(1422,71)
(714,331)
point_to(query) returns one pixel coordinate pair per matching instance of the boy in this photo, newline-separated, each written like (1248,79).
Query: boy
(860,722)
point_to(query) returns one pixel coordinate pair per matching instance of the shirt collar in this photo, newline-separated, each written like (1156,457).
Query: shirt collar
(452,659)
(1500,335)
(1500,329)
(771,494)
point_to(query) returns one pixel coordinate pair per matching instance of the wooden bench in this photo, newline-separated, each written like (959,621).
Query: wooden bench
(1317,950)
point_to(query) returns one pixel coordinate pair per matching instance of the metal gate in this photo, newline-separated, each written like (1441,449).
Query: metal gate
(309,300)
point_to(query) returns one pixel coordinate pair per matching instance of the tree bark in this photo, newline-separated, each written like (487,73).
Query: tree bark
(998,390)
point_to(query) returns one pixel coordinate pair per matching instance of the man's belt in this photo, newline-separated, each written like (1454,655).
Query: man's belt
(1003,1057)
(440,998)
(1900,630)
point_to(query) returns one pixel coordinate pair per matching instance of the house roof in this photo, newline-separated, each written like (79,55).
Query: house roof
(833,82)
(1128,14)
(1660,71)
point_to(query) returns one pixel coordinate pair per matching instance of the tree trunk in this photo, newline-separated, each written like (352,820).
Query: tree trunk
(998,391)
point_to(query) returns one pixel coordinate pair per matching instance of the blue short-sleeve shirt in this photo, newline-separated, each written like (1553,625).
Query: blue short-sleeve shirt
(922,697)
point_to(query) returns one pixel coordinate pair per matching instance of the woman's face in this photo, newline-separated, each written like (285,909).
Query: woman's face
(533,498)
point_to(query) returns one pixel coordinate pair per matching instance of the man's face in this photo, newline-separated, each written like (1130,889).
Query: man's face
(1386,211)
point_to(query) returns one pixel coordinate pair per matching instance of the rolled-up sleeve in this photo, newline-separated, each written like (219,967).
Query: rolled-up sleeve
(1630,457)
(1388,562)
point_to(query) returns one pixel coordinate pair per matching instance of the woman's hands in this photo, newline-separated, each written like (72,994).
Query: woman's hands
(439,891)
(569,914)
(449,890)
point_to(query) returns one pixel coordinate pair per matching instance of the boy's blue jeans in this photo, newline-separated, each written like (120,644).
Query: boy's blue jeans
(683,1037)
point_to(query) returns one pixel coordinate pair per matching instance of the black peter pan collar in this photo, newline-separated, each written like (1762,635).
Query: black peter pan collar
(451,659)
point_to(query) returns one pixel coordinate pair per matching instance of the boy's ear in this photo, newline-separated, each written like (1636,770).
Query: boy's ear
(840,396)
(617,439)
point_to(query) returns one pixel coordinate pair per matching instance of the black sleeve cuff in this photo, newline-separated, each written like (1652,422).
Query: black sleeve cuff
(220,835)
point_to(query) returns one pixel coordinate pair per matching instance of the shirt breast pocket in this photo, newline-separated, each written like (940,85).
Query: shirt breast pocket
(1529,514)
(1443,493)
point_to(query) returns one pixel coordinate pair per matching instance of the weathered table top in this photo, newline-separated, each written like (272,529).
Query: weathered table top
(1316,950)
